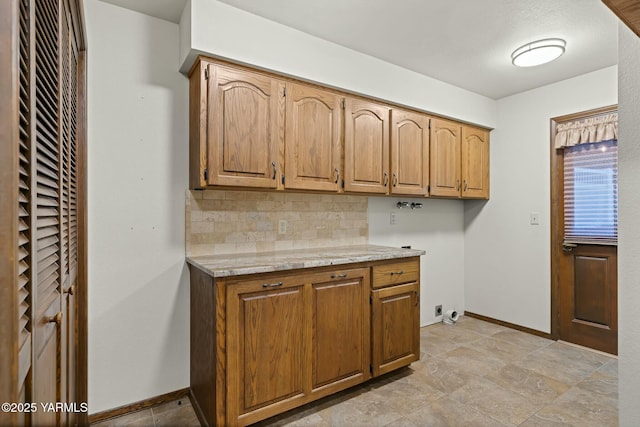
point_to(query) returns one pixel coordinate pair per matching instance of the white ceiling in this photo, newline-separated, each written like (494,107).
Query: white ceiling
(467,43)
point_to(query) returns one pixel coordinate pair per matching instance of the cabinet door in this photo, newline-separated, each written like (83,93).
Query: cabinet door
(445,158)
(340,334)
(475,163)
(266,351)
(409,153)
(245,114)
(312,138)
(395,327)
(366,147)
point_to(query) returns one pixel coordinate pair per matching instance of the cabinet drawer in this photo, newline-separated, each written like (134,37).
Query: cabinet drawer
(395,273)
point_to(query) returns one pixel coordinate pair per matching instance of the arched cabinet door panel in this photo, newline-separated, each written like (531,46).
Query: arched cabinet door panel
(313,138)
(244,116)
(475,163)
(366,147)
(409,153)
(445,158)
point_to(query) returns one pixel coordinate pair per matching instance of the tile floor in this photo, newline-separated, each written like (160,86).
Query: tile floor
(473,373)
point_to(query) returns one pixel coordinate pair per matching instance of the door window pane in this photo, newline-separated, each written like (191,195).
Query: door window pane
(591,193)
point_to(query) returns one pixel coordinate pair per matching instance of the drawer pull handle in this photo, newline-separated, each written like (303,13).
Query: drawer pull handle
(271,285)
(397,272)
(337,276)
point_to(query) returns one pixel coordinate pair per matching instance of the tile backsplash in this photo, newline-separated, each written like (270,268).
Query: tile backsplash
(227,221)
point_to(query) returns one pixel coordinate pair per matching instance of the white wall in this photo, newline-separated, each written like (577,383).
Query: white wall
(437,228)
(221,30)
(629,227)
(507,260)
(138,150)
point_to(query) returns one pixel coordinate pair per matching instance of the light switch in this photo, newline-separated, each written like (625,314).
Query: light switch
(535,218)
(393,219)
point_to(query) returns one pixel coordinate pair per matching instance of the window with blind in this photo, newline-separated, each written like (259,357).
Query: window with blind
(591,193)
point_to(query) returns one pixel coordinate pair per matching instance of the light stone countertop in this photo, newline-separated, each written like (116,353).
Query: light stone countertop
(265,262)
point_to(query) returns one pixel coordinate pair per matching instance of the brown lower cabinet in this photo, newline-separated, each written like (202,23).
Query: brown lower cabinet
(266,343)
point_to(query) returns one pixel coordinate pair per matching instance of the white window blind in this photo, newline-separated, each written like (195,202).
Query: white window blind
(591,193)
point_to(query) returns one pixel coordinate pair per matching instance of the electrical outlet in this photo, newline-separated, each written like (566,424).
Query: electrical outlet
(438,310)
(282,226)
(393,219)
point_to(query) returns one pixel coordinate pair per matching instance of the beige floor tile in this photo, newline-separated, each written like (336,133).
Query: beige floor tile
(529,384)
(456,334)
(495,401)
(140,418)
(441,375)
(471,361)
(499,349)
(179,412)
(479,326)
(607,388)
(403,422)
(608,370)
(565,363)
(448,413)
(577,407)
(434,344)
(524,340)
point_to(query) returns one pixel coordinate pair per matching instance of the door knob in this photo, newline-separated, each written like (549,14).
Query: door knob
(57,319)
(568,247)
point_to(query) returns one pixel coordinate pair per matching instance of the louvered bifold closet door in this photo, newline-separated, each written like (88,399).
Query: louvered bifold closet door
(46,126)
(69,233)
(24,209)
(48,211)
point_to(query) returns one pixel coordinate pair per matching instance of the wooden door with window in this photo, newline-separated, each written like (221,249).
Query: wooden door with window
(585,229)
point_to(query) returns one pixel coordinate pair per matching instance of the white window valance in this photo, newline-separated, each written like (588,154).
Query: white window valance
(587,131)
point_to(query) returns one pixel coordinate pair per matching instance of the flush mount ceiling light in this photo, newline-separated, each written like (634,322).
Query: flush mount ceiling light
(538,52)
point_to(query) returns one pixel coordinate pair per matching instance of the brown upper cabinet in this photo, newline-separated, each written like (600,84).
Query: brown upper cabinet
(366,147)
(475,162)
(313,138)
(409,153)
(244,116)
(459,160)
(254,129)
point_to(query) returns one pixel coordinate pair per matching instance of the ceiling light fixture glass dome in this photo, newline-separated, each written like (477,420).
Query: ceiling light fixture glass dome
(538,52)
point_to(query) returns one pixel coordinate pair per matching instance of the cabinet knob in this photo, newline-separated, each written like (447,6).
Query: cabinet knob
(71,290)
(458,185)
(271,285)
(273,164)
(465,185)
(337,175)
(57,319)
(386,178)
(395,179)
(338,276)
(397,272)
